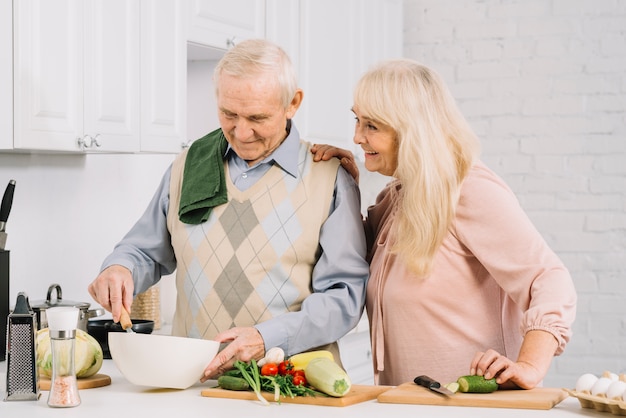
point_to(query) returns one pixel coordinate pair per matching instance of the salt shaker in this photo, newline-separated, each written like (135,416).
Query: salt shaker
(62,322)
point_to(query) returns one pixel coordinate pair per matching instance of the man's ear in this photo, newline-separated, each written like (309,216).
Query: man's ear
(295,104)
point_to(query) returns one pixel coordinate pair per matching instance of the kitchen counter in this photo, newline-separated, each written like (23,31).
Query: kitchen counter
(122,399)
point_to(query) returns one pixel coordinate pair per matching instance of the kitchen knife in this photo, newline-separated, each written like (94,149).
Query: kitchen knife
(5,209)
(432,384)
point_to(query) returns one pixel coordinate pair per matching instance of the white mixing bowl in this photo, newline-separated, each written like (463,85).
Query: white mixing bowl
(161,361)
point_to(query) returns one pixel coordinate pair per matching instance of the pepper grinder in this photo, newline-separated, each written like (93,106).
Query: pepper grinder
(62,322)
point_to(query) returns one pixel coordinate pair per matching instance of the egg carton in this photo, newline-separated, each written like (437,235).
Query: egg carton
(599,403)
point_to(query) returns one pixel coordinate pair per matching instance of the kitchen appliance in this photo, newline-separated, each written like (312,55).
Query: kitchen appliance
(22,376)
(432,384)
(85,313)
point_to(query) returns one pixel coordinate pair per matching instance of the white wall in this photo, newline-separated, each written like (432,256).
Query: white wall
(543,82)
(68,213)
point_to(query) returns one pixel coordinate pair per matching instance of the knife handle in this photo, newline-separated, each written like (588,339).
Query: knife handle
(7,201)
(427,382)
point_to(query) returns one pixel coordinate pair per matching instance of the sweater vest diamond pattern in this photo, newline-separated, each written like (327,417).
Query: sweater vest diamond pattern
(253,259)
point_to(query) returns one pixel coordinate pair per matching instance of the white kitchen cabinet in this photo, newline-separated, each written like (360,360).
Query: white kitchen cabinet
(163,75)
(339,41)
(221,24)
(6,75)
(99,75)
(76,69)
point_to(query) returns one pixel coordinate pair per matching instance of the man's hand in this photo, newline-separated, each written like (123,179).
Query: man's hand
(245,344)
(326,152)
(113,288)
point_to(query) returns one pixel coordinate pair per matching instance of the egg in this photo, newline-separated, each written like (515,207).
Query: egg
(610,375)
(585,382)
(600,387)
(616,390)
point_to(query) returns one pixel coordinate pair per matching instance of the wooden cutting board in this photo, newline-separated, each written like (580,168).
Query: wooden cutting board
(358,393)
(538,398)
(95,381)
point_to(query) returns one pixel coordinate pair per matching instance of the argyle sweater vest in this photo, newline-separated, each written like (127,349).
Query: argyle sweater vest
(252,260)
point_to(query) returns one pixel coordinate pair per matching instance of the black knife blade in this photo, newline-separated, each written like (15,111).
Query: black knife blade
(7,202)
(432,384)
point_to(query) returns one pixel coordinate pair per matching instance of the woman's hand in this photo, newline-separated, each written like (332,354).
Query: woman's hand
(326,152)
(530,368)
(508,374)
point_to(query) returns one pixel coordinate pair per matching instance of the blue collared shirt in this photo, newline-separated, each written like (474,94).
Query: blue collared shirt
(339,276)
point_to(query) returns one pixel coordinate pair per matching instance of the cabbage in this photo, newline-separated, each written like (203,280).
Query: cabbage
(87,354)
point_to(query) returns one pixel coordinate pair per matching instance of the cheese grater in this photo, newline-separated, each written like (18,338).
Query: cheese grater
(22,376)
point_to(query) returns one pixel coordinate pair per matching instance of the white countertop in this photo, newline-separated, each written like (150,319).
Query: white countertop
(122,399)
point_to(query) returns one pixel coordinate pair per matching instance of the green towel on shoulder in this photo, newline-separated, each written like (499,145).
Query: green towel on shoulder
(204,185)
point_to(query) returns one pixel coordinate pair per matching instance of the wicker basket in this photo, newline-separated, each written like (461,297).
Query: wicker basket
(147,305)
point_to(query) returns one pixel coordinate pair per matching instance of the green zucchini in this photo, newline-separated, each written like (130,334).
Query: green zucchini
(477,384)
(232,383)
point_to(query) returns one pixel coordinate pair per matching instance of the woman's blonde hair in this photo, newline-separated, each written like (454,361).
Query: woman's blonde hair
(254,57)
(436,149)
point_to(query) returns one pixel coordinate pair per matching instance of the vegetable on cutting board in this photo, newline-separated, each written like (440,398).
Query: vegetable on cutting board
(327,376)
(477,384)
(232,383)
(250,375)
(300,361)
(452,386)
(273,355)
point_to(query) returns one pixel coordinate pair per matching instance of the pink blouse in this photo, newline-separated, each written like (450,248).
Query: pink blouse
(493,280)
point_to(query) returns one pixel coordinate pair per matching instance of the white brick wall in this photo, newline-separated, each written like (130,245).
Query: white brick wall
(543,83)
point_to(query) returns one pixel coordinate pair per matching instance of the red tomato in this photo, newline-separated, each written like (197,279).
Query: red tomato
(285,368)
(298,373)
(269,369)
(299,379)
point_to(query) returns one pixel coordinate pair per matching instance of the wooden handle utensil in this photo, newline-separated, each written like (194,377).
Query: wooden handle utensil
(125,321)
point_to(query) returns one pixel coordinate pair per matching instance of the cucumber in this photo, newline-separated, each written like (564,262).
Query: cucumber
(232,372)
(477,384)
(232,383)
(452,387)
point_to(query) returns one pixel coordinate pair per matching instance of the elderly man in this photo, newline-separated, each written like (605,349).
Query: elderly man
(268,246)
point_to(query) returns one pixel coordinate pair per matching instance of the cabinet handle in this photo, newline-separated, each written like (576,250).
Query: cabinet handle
(88,141)
(95,141)
(186,144)
(230,42)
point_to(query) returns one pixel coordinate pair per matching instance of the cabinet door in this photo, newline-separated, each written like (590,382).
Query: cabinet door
(6,75)
(163,76)
(282,26)
(218,23)
(48,74)
(76,69)
(336,49)
(112,71)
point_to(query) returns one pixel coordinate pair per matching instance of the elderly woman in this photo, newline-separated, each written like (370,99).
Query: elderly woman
(461,282)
